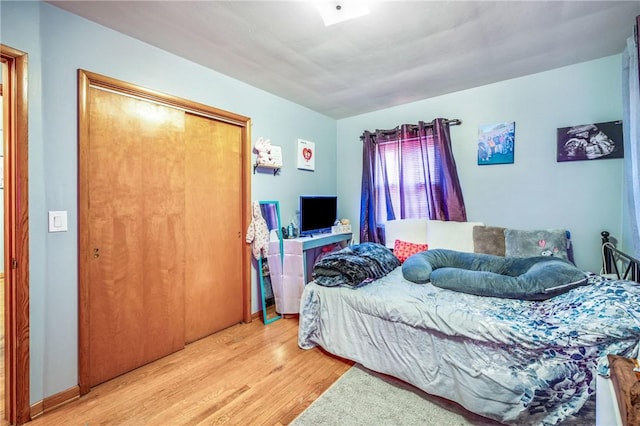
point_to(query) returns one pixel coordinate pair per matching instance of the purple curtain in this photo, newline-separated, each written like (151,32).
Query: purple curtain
(447,202)
(408,172)
(368,223)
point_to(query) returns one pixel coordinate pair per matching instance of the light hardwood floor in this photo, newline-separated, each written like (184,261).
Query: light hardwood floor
(248,374)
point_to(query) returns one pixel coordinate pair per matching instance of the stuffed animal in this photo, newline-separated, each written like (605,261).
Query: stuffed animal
(258,233)
(262,147)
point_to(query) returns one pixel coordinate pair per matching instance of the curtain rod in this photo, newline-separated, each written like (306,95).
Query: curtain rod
(452,122)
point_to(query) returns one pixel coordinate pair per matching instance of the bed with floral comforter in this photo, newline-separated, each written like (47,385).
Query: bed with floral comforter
(518,362)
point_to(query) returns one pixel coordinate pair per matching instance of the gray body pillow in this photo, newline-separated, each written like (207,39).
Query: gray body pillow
(528,278)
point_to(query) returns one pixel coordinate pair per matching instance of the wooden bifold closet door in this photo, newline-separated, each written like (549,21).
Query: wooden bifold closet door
(161,216)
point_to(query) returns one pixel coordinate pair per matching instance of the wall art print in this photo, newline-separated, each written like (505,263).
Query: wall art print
(496,143)
(306,155)
(595,141)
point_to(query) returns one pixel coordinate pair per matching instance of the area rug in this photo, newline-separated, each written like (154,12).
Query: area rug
(364,397)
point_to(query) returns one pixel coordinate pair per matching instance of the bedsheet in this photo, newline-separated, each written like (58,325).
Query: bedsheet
(518,362)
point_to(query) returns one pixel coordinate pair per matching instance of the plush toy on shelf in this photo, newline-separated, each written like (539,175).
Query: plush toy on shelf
(262,147)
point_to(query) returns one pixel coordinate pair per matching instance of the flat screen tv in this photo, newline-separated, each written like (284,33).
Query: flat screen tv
(317,214)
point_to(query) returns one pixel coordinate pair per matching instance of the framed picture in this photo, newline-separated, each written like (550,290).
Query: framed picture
(496,143)
(596,141)
(306,155)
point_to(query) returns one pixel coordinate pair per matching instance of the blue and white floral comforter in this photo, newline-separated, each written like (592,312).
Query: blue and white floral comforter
(518,362)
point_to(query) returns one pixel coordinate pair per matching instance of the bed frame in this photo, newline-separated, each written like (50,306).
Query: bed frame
(614,261)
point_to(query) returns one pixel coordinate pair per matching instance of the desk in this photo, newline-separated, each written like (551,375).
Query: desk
(321,240)
(299,257)
(314,242)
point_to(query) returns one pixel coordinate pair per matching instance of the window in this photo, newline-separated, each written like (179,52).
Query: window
(406,178)
(408,173)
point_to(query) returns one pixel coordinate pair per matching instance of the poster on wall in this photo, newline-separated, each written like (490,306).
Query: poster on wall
(496,143)
(306,155)
(596,141)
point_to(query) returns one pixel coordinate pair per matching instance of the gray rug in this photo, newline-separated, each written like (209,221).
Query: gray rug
(364,397)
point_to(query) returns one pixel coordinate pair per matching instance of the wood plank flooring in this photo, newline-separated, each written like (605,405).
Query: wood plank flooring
(248,374)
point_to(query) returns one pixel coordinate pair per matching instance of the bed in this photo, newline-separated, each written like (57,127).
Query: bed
(511,360)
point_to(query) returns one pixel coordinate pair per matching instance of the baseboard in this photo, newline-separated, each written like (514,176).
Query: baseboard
(36,410)
(54,401)
(258,315)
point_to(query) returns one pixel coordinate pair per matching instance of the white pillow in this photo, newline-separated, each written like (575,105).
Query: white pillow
(451,235)
(410,230)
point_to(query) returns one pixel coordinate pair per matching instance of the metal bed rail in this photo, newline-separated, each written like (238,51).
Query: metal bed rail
(618,263)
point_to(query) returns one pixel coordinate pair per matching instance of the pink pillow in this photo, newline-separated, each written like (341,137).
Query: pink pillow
(404,249)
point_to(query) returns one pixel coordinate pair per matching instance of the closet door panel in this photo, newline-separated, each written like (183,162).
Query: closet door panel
(164,182)
(136,186)
(114,215)
(214,296)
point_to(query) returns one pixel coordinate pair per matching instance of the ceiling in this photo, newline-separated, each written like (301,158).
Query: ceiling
(403,51)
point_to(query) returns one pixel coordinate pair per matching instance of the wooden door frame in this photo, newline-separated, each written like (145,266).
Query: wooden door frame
(16,233)
(86,80)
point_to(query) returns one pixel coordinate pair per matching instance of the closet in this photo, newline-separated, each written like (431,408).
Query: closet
(162,193)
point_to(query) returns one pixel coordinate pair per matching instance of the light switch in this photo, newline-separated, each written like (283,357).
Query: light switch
(57,221)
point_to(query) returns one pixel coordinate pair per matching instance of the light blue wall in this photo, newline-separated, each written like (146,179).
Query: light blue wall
(20,29)
(59,43)
(536,191)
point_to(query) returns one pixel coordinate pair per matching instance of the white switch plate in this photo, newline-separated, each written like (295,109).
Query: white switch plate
(57,221)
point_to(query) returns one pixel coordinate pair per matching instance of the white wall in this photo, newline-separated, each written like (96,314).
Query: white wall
(536,191)
(58,44)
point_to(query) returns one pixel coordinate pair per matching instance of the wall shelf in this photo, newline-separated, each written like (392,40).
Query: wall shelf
(276,169)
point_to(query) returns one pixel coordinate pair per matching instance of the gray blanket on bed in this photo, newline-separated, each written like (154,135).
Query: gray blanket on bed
(355,266)
(518,362)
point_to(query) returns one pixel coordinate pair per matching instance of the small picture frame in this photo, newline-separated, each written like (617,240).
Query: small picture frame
(496,143)
(595,141)
(306,155)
